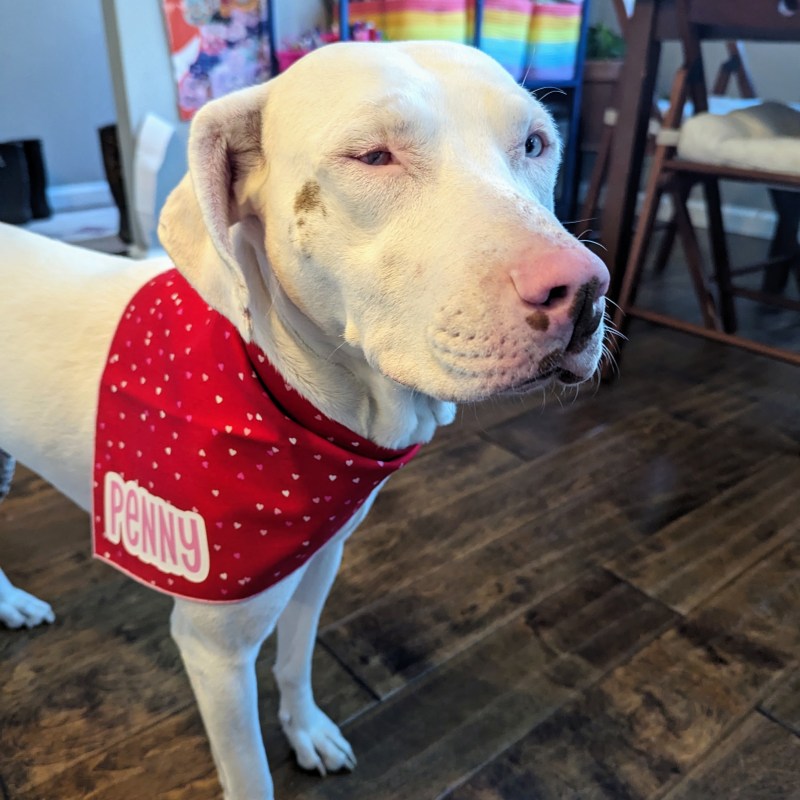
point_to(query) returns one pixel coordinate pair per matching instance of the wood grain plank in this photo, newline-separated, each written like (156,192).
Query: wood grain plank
(645,726)
(684,475)
(419,742)
(759,612)
(38,523)
(441,475)
(174,764)
(61,681)
(108,670)
(670,474)
(538,432)
(691,558)
(760,760)
(451,597)
(415,628)
(99,726)
(784,705)
(632,734)
(454,721)
(395,553)
(475,418)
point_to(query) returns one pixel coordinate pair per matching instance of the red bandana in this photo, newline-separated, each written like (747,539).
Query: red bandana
(214,479)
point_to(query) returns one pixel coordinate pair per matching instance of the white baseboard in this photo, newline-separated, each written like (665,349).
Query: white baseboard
(756,222)
(78,226)
(79,196)
(743,220)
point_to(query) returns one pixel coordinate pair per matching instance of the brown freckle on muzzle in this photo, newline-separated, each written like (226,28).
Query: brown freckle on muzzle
(308,199)
(538,321)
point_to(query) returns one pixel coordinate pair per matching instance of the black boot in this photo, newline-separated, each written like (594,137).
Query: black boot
(15,190)
(109,146)
(6,472)
(37,178)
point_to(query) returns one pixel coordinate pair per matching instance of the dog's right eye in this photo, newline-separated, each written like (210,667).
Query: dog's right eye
(534,145)
(376,158)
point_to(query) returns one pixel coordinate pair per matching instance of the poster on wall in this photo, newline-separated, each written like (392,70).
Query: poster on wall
(216,47)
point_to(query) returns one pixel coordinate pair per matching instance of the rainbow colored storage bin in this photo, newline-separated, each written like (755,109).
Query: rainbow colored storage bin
(414,19)
(534,41)
(553,37)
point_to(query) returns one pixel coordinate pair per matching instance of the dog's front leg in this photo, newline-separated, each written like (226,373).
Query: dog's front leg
(17,608)
(316,739)
(219,645)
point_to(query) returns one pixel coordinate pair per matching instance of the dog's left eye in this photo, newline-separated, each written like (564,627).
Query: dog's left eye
(376,158)
(534,145)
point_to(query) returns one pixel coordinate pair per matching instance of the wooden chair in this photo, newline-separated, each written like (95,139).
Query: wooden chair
(671,173)
(734,68)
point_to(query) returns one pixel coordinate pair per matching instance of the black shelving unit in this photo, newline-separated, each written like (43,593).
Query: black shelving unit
(570,121)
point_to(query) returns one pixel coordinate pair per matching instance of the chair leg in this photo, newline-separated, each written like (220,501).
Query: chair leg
(784,241)
(632,274)
(635,264)
(694,257)
(665,248)
(719,254)
(598,177)
(652,197)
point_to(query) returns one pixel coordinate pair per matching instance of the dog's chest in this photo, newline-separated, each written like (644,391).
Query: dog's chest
(214,479)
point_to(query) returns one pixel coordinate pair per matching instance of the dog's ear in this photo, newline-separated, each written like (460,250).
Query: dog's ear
(225,150)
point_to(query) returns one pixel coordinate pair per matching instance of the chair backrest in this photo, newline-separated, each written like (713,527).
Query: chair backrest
(748,20)
(773,20)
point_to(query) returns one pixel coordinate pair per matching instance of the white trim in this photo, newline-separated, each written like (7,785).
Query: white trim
(742,220)
(78,226)
(79,196)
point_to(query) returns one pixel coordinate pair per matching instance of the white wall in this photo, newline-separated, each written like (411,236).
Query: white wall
(55,83)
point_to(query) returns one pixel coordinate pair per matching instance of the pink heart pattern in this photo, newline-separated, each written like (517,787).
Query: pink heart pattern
(202,492)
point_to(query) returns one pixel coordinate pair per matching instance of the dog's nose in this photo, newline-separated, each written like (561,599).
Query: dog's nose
(558,281)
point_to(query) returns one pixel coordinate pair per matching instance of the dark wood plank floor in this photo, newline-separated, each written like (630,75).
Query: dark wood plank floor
(593,597)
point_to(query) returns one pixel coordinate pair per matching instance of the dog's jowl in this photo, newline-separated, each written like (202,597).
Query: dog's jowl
(339,276)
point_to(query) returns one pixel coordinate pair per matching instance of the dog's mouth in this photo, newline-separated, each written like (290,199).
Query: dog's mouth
(550,370)
(544,378)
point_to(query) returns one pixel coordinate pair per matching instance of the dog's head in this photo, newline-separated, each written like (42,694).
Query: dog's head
(401,199)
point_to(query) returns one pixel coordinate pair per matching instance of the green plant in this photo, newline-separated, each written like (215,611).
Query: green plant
(604,44)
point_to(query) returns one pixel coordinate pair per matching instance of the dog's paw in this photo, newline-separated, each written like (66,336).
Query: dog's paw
(19,609)
(317,741)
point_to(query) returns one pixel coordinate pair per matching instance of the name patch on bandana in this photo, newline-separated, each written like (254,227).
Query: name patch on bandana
(154,531)
(213,478)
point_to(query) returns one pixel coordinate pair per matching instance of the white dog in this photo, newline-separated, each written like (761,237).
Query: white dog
(378,223)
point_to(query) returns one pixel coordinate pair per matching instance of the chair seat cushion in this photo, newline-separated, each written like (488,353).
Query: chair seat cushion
(764,137)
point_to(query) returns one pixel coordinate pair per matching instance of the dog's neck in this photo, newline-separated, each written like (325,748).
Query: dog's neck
(334,376)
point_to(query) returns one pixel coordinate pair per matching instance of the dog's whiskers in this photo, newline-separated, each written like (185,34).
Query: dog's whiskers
(608,358)
(579,221)
(550,90)
(594,242)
